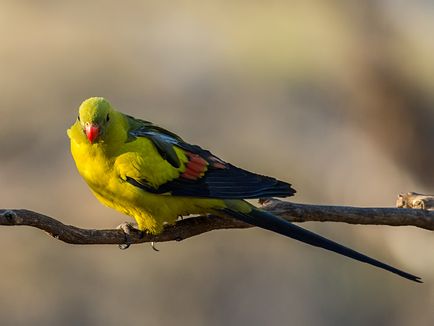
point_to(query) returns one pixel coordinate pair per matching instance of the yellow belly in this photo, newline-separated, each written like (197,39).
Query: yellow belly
(152,211)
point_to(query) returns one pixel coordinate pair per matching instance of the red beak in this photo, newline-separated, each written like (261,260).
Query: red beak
(92,132)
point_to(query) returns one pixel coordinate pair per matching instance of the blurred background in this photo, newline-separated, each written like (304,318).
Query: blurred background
(333,96)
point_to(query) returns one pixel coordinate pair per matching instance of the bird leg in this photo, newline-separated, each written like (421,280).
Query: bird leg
(127,228)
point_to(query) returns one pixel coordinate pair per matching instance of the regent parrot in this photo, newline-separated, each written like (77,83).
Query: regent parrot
(154,176)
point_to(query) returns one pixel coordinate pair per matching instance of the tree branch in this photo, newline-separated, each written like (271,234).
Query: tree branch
(193,226)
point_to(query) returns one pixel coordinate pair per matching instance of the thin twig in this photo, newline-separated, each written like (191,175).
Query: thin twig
(193,226)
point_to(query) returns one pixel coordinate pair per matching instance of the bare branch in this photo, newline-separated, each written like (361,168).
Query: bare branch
(193,226)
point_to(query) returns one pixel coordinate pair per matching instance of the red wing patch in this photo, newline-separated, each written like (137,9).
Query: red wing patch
(195,168)
(197,165)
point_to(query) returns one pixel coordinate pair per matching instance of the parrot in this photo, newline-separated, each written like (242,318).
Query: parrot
(154,176)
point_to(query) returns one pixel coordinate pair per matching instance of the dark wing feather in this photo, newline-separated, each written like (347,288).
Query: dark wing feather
(228,183)
(221,179)
(160,137)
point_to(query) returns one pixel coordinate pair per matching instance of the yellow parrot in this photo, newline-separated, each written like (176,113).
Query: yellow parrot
(154,176)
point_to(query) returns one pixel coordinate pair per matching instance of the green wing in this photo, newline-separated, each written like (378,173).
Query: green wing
(161,138)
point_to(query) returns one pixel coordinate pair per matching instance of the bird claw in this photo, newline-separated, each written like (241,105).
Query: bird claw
(126,229)
(153,246)
(124,246)
(265,201)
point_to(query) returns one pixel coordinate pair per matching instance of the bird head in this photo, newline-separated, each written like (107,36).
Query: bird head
(94,117)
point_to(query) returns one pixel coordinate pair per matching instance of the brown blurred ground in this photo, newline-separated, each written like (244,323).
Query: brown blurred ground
(335,97)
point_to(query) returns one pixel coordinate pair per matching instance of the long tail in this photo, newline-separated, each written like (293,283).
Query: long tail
(274,223)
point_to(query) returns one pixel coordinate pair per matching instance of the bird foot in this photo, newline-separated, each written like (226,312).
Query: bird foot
(264,201)
(153,246)
(127,229)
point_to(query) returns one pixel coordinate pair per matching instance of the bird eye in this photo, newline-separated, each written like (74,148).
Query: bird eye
(108,118)
(78,118)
